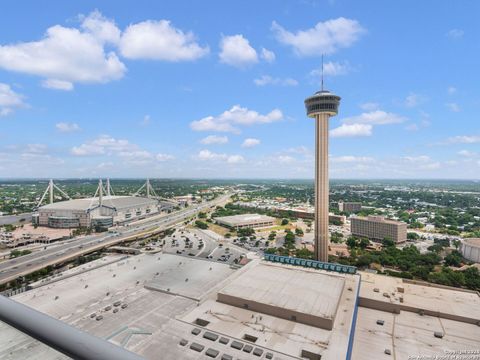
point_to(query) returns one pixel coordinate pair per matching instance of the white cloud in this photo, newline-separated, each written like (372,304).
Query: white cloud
(351,159)
(467,153)
(417,159)
(455,34)
(159,40)
(464,139)
(285,159)
(57,84)
(352,130)
(164,157)
(67,127)
(235,159)
(100,27)
(267,55)
(453,107)
(332,69)
(325,38)
(146,120)
(65,56)
(131,154)
(207,155)
(413,100)
(268,80)
(421,162)
(104,144)
(214,139)
(250,142)
(377,117)
(230,120)
(369,106)
(451,90)
(106,165)
(35,149)
(412,127)
(236,51)
(9,100)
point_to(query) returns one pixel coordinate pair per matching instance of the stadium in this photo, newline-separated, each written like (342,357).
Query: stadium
(97,211)
(89,212)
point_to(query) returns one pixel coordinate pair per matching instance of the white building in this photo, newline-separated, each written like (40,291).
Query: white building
(90,212)
(246,221)
(470,249)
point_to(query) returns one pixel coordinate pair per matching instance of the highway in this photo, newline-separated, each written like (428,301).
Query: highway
(12,219)
(21,266)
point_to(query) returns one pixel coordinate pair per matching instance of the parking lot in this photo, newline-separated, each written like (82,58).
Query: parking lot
(203,244)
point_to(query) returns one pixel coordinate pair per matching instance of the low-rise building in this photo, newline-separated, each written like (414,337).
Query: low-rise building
(350,207)
(377,228)
(246,221)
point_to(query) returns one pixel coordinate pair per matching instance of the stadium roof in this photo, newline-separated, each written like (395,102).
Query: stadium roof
(118,202)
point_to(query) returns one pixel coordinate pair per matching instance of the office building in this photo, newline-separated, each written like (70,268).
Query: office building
(246,221)
(350,207)
(377,228)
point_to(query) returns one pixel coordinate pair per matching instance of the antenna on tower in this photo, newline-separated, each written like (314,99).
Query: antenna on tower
(322,72)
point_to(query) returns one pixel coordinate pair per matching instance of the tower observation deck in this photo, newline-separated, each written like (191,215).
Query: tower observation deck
(321,106)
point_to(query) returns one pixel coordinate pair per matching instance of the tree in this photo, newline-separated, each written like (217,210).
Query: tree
(388,242)
(304,254)
(202,215)
(298,232)
(352,242)
(472,278)
(363,243)
(284,221)
(412,236)
(201,224)
(245,231)
(454,259)
(271,250)
(364,260)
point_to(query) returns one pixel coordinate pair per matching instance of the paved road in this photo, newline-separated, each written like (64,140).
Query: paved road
(13,219)
(24,265)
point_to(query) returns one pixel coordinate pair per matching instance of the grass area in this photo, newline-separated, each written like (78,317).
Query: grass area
(277,228)
(220,229)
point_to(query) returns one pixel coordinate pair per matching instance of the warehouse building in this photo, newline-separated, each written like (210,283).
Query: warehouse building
(246,221)
(377,228)
(92,212)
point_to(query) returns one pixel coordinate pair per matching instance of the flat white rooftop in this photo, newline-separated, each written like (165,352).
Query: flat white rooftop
(283,288)
(272,283)
(244,218)
(410,336)
(456,304)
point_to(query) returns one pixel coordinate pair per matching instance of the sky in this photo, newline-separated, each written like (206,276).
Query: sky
(215,89)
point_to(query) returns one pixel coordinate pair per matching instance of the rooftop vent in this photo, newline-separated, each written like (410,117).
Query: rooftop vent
(201,322)
(250,338)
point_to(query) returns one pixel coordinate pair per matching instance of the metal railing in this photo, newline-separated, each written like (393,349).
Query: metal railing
(60,336)
(345,269)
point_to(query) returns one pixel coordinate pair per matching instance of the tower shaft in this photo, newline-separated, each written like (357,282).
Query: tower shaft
(50,190)
(321,186)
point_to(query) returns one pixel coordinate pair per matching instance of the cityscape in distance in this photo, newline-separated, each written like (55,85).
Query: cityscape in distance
(252,180)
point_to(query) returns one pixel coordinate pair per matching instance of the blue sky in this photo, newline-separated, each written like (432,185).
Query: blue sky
(215,89)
